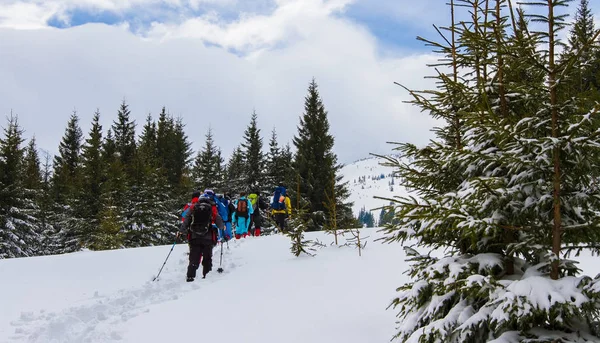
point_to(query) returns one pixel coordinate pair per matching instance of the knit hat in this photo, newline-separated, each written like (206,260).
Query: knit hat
(209,192)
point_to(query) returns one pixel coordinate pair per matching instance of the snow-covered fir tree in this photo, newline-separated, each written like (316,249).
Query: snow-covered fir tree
(66,182)
(506,190)
(253,156)
(276,164)
(32,195)
(123,129)
(220,172)
(205,171)
(113,196)
(19,236)
(151,219)
(316,163)
(92,177)
(235,176)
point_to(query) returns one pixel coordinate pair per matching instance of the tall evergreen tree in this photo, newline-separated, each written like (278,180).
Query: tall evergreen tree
(18,234)
(181,158)
(93,170)
(253,155)
(32,174)
(67,163)
(205,168)
(287,164)
(277,166)
(174,153)
(583,52)
(66,182)
(315,162)
(236,171)
(151,218)
(32,188)
(124,136)
(113,198)
(505,199)
(51,235)
(220,172)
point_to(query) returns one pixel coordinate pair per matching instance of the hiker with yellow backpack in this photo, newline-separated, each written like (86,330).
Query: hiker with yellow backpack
(242,216)
(281,207)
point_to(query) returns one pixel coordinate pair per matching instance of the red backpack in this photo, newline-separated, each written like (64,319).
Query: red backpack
(242,208)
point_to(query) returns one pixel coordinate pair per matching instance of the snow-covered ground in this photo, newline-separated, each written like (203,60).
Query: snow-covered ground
(363,192)
(265,295)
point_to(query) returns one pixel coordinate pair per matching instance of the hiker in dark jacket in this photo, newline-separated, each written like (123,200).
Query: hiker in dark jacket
(200,225)
(259,204)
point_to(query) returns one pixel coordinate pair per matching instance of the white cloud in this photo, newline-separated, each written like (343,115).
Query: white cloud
(21,15)
(291,19)
(47,73)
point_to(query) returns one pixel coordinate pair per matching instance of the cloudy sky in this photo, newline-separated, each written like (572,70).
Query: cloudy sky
(214,62)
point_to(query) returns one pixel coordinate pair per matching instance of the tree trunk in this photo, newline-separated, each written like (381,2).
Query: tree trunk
(556,232)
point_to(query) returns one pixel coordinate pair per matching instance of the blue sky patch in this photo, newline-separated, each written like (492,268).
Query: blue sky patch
(389,31)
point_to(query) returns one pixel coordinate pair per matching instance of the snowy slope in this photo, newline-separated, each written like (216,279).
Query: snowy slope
(265,295)
(363,193)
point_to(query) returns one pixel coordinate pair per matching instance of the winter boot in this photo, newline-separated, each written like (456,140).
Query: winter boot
(257,232)
(189,279)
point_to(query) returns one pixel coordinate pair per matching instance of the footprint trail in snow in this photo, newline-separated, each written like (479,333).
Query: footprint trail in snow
(103,317)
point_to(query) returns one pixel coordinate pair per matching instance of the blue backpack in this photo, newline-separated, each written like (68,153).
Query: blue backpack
(221,207)
(276,204)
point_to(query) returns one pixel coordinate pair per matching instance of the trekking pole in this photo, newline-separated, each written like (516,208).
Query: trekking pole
(161,268)
(220,270)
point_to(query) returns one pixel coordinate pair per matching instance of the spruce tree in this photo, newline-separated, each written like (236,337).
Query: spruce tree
(92,174)
(151,220)
(220,172)
(253,156)
(236,172)
(18,234)
(123,130)
(504,191)
(32,194)
(164,146)
(32,174)
(113,197)
(182,157)
(51,235)
(66,183)
(315,161)
(205,169)
(174,153)
(277,166)
(582,80)
(287,164)
(66,177)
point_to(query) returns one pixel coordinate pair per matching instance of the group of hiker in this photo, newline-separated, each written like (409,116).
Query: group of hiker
(210,218)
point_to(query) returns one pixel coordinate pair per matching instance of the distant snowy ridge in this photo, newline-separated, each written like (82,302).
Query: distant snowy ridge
(368,179)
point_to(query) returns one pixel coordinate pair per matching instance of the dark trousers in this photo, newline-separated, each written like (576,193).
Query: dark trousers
(200,249)
(280,220)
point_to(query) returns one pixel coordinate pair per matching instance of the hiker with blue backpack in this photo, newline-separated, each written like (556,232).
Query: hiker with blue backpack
(222,205)
(281,207)
(226,210)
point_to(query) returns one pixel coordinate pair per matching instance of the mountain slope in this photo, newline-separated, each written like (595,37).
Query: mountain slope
(366,179)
